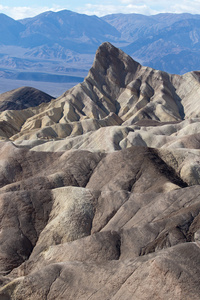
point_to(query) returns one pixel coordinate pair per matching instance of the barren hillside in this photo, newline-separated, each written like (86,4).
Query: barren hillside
(99,188)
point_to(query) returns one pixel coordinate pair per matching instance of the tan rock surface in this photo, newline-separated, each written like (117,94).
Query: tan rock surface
(99,188)
(115,84)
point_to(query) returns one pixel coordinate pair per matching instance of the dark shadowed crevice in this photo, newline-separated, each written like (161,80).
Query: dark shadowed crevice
(118,246)
(165,169)
(175,97)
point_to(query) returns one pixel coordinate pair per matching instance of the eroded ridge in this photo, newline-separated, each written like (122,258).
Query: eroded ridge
(99,189)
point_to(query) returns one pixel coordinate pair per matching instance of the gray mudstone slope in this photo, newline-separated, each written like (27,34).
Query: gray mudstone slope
(99,188)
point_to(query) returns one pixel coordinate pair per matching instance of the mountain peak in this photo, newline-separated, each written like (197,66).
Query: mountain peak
(113,63)
(109,51)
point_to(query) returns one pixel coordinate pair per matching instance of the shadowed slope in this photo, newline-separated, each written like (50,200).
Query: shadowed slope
(22,98)
(97,214)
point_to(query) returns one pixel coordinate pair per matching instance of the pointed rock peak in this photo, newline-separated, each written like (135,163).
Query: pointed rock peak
(108,54)
(112,68)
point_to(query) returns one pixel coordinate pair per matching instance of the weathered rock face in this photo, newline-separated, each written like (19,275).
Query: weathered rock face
(99,189)
(22,98)
(116,91)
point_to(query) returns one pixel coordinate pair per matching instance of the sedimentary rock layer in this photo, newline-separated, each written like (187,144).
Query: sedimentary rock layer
(99,189)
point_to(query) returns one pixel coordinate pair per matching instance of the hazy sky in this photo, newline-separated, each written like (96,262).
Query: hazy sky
(18,9)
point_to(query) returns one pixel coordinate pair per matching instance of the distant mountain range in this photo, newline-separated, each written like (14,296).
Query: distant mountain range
(62,44)
(73,31)
(168,42)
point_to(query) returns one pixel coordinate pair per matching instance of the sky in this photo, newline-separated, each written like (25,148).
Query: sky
(19,9)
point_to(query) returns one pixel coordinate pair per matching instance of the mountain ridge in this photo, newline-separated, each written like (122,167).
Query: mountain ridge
(67,25)
(120,90)
(56,41)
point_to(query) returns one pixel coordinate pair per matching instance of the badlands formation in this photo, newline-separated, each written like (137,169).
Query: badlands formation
(99,188)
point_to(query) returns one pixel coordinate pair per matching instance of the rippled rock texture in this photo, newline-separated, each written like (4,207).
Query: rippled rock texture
(99,188)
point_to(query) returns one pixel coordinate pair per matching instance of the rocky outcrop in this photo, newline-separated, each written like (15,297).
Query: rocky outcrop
(119,216)
(115,86)
(99,189)
(22,98)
